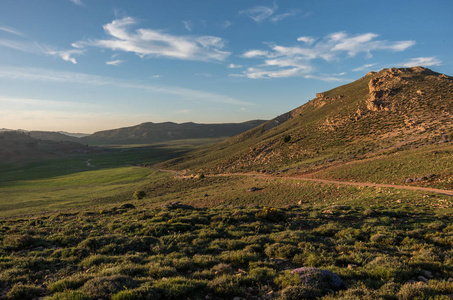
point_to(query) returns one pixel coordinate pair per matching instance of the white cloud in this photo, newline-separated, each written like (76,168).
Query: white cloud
(364,67)
(307,40)
(280,17)
(226,24)
(422,61)
(66,55)
(45,75)
(188,25)
(259,13)
(284,61)
(77,2)
(233,66)
(30,46)
(156,43)
(12,31)
(114,62)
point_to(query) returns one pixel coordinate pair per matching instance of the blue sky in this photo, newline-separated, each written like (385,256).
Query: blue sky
(89,65)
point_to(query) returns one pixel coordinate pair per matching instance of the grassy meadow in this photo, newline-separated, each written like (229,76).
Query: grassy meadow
(111,226)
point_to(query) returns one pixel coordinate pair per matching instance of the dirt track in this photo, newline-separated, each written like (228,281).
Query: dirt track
(353,183)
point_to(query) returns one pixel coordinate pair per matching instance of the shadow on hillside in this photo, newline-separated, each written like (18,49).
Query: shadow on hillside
(112,157)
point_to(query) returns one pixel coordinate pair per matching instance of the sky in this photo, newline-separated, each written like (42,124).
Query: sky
(91,65)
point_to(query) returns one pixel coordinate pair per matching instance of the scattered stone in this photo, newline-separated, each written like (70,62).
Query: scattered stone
(205,195)
(175,205)
(422,278)
(352,266)
(420,92)
(409,180)
(253,189)
(237,298)
(428,274)
(450,279)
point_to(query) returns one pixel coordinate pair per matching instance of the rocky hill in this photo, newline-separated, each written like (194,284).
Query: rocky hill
(19,146)
(148,133)
(380,112)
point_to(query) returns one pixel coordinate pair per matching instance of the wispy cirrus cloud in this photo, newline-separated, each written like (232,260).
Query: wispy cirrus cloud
(260,13)
(66,55)
(77,2)
(423,61)
(188,25)
(12,31)
(114,62)
(364,67)
(295,61)
(46,75)
(24,44)
(147,42)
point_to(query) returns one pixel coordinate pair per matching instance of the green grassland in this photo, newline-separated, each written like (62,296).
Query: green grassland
(394,167)
(140,251)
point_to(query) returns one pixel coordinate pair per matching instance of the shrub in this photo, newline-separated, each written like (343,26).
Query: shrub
(318,279)
(415,291)
(70,283)
(104,287)
(23,292)
(287,138)
(140,194)
(227,286)
(299,292)
(69,295)
(178,287)
(279,250)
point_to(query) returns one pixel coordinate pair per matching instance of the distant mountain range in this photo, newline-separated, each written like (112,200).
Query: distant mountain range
(147,133)
(17,145)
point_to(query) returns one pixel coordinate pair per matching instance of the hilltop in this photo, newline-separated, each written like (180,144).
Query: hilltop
(380,113)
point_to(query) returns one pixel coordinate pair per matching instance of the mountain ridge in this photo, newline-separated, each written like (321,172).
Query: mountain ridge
(374,113)
(150,132)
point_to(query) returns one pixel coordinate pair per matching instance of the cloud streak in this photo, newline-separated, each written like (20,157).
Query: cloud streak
(45,75)
(423,61)
(295,61)
(261,13)
(11,31)
(157,43)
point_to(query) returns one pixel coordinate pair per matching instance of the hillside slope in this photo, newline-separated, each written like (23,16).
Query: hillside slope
(17,146)
(160,132)
(379,113)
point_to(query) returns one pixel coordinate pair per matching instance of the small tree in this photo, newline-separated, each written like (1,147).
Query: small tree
(287,138)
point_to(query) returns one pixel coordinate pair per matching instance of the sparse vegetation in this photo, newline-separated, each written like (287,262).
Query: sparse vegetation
(191,253)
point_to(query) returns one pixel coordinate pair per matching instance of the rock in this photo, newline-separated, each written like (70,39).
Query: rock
(237,298)
(409,180)
(422,278)
(428,274)
(127,206)
(253,189)
(450,279)
(205,195)
(420,92)
(352,266)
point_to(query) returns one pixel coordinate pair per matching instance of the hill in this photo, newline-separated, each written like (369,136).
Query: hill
(379,114)
(18,146)
(148,133)
(53,136)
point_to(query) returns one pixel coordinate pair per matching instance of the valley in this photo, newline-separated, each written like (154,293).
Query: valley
(349,196)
